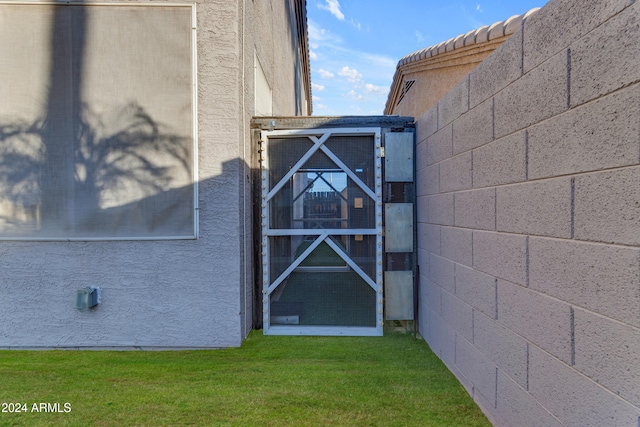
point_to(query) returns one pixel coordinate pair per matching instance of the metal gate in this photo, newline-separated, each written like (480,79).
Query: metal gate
(321,221)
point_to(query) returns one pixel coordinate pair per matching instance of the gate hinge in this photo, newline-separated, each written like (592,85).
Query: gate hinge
(381,151)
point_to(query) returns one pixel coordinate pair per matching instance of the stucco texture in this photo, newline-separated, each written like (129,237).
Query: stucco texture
(194,293)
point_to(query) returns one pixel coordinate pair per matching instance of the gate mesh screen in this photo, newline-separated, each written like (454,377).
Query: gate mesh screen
(322,289)
(320,195)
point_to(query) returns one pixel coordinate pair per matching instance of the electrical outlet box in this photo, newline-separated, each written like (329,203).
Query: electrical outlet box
(87,298)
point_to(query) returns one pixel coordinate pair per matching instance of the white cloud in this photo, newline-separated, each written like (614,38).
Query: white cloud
(317,87)
(333,6)
(356,81)
(312,55)
(315,98)
(419,36)
(352,75)
(378,90)
(325,74)
(355,24)
(355,95)
(479,8)
(315,33)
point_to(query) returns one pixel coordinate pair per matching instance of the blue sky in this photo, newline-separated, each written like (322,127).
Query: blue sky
(355,45)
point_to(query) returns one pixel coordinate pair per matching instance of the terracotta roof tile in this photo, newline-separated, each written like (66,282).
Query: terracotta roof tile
(473,37)
(482,34)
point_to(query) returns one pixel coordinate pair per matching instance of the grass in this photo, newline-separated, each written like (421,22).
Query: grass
(269,381)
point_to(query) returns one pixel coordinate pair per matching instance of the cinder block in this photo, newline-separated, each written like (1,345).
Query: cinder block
(441,209)
(423,263)
(501,162)
(433,179)
(607,207)
(477,368)
(428,179)
(440,145)
(497,71)
(501,255)
(598,277)
(464,382)
(458,315)
(432,296)
(477,289)
(505,349)
(431,335)
(427,124)
(475,209)
(443,340)
(441,272)
(599,135)
(422,208)
(608,352)
(574,399)
(540,208)
(455,173)
(423,321)
(421,153)
(515,405)
(617,63)
(487,405)
(454,103)
(538,95)
(560,22)
(474,128)
(429,237)
(456,244)
(543,320)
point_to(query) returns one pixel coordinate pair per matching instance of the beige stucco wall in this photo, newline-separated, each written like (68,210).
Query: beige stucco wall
(176,293)
(529,221)
(436,76)
(425,76)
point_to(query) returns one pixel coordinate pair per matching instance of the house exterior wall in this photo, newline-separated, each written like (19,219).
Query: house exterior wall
(529,223)
(172,293)
(433,79)
(273,31)
(433,71)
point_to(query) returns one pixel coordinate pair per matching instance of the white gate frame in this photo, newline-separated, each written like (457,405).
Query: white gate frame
(319,137)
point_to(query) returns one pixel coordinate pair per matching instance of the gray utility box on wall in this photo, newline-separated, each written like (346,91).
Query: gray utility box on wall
(87,298)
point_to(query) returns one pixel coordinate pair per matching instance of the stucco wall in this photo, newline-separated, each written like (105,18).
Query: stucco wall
(271,32)
(434,78)
(425,76)
(529,221)
(190,293)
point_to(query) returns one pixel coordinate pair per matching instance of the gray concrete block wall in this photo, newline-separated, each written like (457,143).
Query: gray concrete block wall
(530,242)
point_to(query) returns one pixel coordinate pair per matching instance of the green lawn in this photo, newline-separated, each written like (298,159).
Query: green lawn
(269,381)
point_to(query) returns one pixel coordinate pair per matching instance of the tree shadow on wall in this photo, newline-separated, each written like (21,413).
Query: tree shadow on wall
(115,158)
(80,171)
